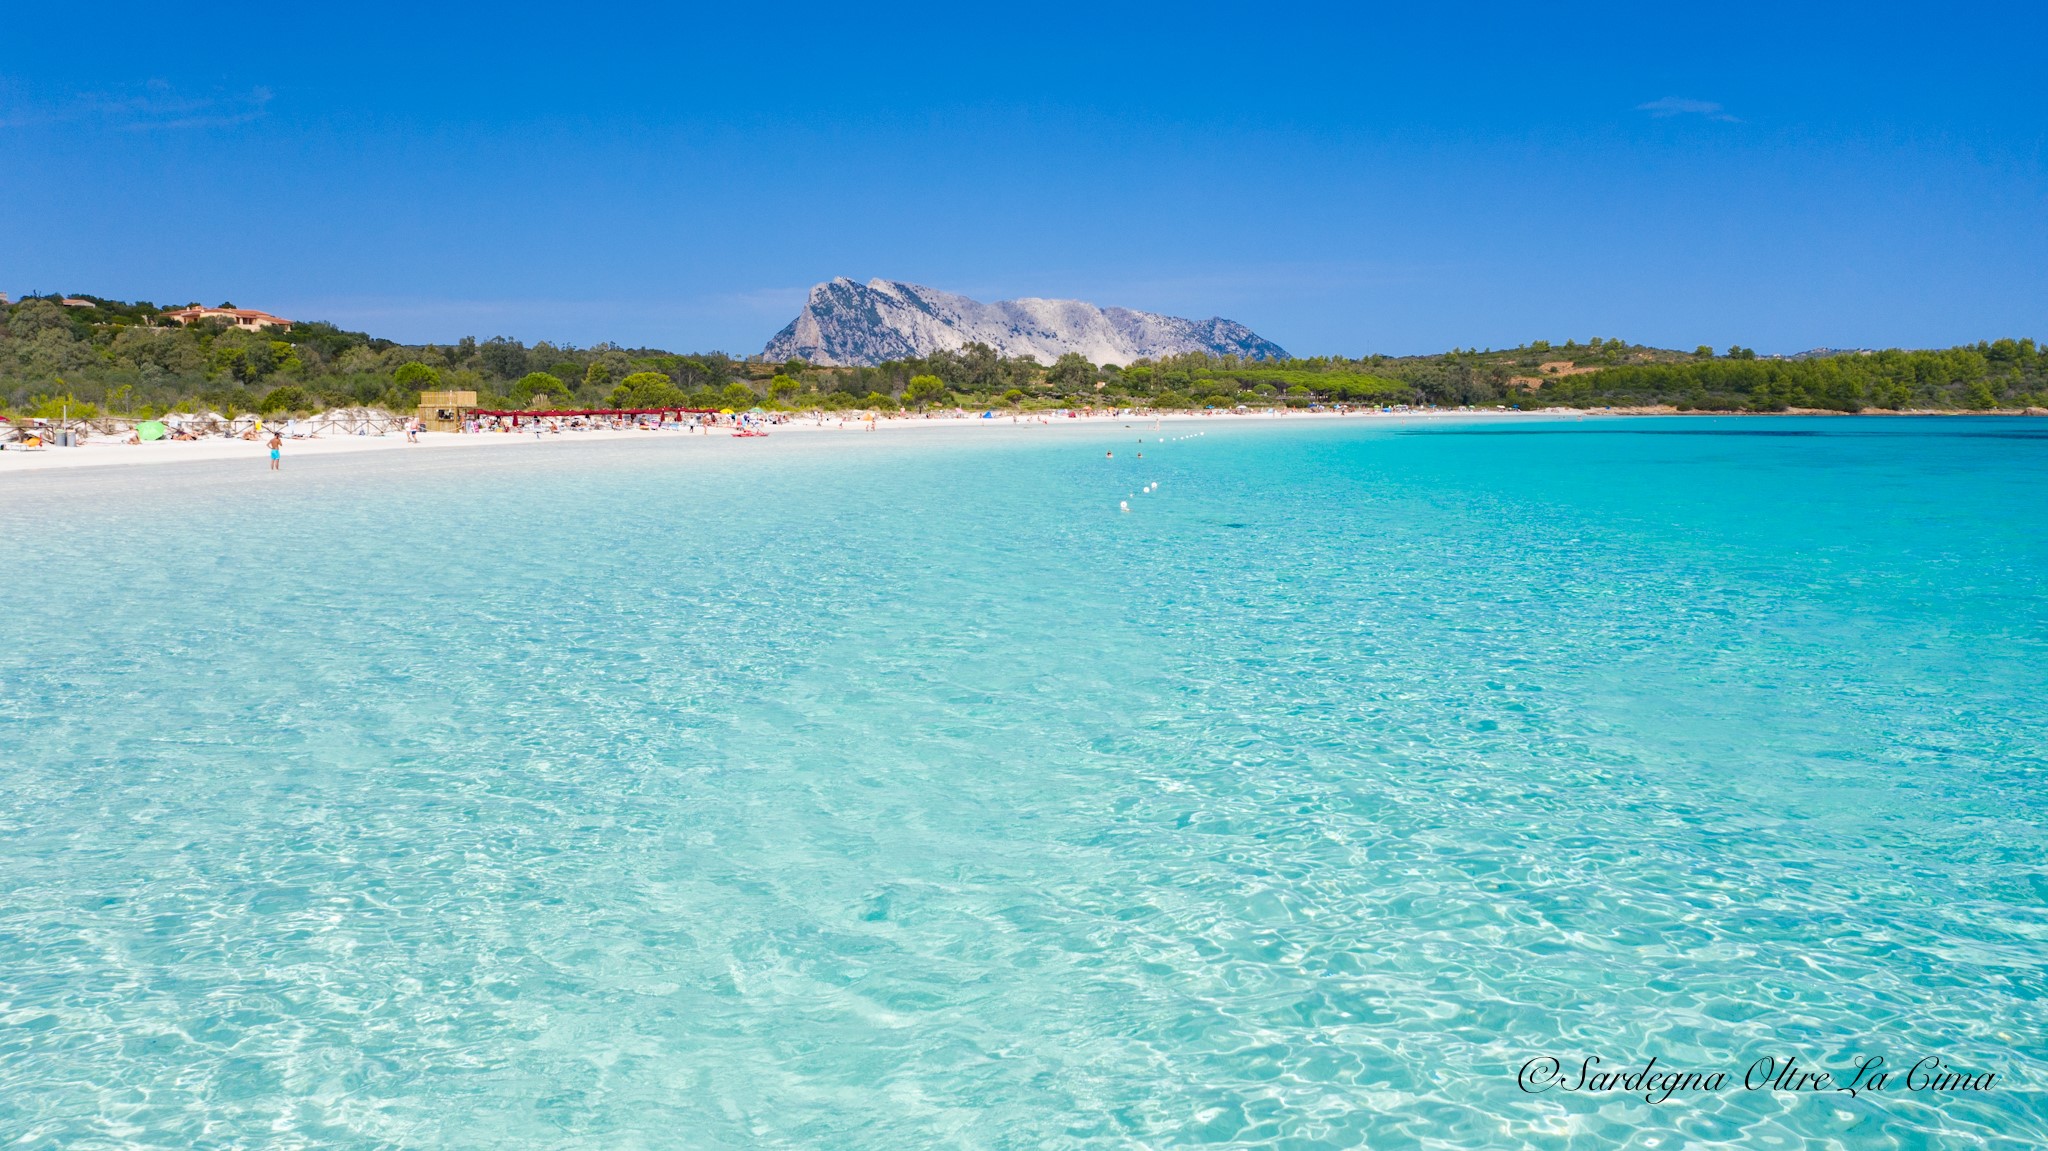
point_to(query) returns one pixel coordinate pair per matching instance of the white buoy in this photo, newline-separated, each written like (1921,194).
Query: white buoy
(1124,504)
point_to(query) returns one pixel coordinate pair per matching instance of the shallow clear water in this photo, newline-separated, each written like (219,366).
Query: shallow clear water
(898,791)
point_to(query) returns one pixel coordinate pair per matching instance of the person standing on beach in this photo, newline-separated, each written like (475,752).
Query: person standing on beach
(276,449)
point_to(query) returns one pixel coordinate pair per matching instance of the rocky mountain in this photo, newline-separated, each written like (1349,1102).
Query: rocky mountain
(844,323)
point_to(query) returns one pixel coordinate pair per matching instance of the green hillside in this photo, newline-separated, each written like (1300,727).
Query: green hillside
(122,358)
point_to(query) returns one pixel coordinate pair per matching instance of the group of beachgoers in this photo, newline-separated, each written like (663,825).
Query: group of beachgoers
(700,422)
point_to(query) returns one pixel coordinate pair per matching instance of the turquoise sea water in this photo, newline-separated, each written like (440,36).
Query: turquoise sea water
(898,791)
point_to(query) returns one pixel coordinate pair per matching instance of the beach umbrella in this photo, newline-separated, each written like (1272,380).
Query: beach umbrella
(150,430)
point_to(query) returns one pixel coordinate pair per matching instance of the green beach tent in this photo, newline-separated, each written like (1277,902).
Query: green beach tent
(150,430)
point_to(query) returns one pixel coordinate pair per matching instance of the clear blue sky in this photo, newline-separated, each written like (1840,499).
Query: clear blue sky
(1344,181)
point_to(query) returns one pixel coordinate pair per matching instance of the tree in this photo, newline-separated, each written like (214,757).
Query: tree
(414,374)
(537,386)
(737,396)
(248,358)
(284,357)
(289,398)
(925,390)
(597,375)
(234,361)
(32,316)
(503,358)
(648,390)
(1071,372)
(1704,352)
(981,368)
(701,371)
(782,387)
(66,406)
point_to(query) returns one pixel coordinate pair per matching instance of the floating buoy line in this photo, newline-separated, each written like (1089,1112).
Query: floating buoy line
(1124,505)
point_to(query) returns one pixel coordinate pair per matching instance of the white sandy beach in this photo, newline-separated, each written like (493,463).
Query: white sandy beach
(110,452)
(113,453)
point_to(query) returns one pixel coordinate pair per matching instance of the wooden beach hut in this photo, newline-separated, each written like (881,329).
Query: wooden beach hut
(445,411)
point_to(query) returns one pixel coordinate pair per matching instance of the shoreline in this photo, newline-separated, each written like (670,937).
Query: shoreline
(164,452)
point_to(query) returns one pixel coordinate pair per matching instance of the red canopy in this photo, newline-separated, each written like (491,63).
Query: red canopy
(600,412)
